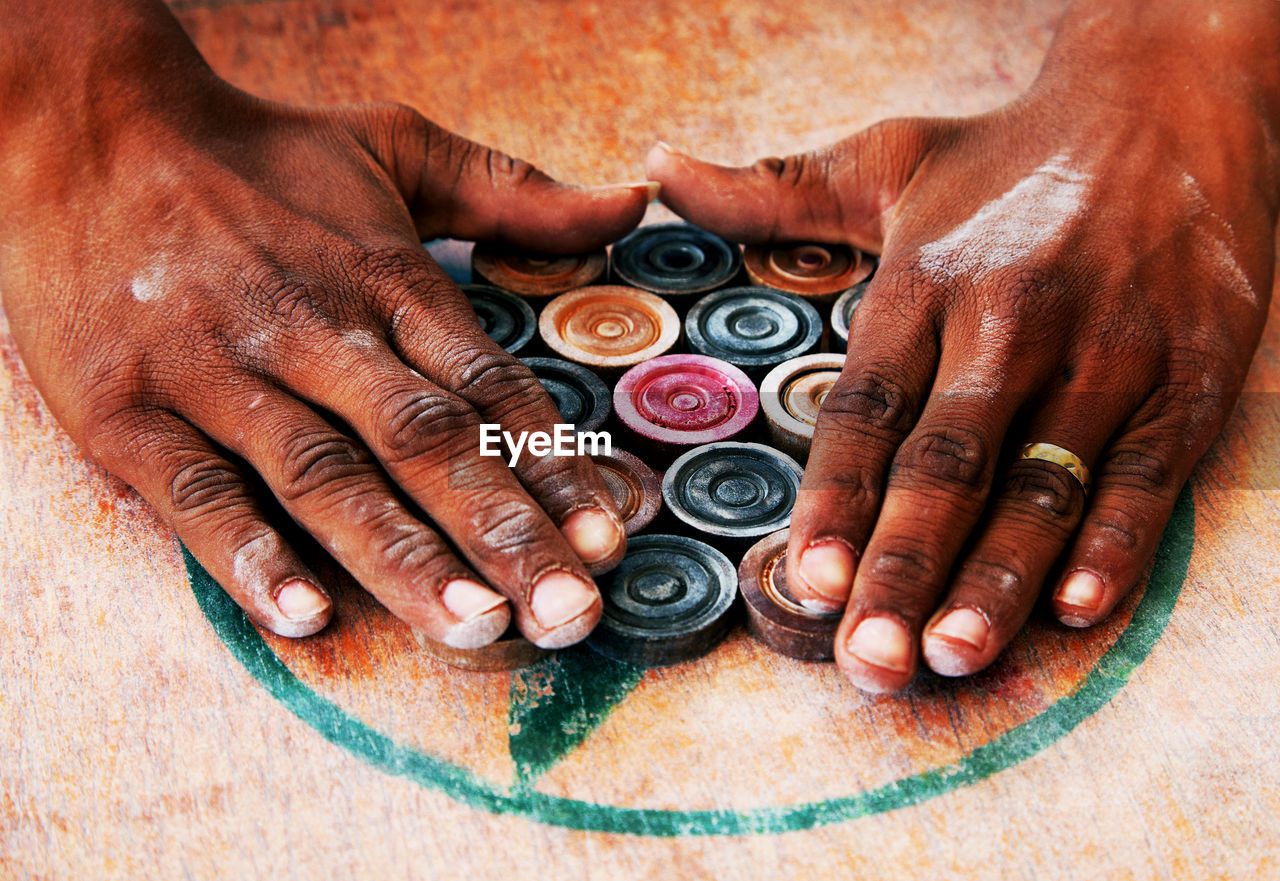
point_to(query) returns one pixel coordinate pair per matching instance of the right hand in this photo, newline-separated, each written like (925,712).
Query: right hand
(1088,268)
(200,281)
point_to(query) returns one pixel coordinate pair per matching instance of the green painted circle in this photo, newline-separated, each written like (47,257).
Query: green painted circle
(1106,678)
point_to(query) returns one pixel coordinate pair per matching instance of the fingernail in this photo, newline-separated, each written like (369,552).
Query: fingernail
(1082,589)
(592,534)
(482,614)
(964,625)
(882,642)
(559,597)
(466,600)
(651,188)
(656,153)
(827,567)
(299,600)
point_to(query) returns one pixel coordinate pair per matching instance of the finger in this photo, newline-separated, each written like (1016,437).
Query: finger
(1028,525)
(1136,487)
(456,187)
(841,193)
(332,486)
(506,393)
(428,440)
(213,511)
(938,486)
(863,420)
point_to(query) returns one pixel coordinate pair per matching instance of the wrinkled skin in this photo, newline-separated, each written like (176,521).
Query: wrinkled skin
(1089,266)
(205,286)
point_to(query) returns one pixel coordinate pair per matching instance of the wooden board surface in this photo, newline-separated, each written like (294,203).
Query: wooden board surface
(147,731)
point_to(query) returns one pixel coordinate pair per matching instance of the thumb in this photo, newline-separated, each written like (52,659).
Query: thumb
(459,188)
(844,192)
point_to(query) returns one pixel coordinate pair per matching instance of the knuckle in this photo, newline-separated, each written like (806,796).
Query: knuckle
(849,489)
(110,433)
(447,153)
(427,307)
(808,185)
(908,292)
(204,486)
(897,143)
(996,582)
(388,128)
(870,402)
(905,572)
(507,525)
(1024,316)
(1196,407)
(404,121)
(401,546)
(560,486)
(1137,469)
(293,301)
(1117,528)
(1031,284)
(516,171)
(1045,488)
(1196,347)
(1113,331)
(394,266)
(490,377)
(789,170)
(396,274)
(320,462)
(1038,290)
(500,168)
(918,280)
(947,454)
(423,423)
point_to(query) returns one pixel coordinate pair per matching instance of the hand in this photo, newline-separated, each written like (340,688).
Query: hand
(202,283)
(1089,266)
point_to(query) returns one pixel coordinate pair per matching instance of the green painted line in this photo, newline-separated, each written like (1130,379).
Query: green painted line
(1106,678)
(556,703)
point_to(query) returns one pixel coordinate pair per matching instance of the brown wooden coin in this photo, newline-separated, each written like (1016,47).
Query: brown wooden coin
(814,271)
(536,275)
(774,616)
(635,487)
(609,327)
(790,397)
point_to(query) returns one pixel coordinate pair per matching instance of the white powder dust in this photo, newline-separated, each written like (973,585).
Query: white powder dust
(1012,227)
(1214,241)
(149,285)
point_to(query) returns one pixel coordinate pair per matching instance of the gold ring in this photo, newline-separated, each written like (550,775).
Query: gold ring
(1061,457)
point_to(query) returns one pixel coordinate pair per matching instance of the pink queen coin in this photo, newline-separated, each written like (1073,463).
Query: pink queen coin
(685,400)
